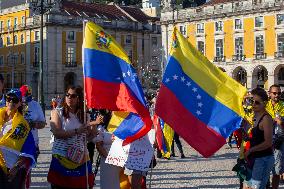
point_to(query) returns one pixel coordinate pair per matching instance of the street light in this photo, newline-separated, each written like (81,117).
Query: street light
(41,6)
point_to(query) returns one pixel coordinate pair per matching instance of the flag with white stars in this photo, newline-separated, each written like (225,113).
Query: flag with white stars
(199,101)
(111,82)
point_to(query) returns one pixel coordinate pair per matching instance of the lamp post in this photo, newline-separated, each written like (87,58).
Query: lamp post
(41,7)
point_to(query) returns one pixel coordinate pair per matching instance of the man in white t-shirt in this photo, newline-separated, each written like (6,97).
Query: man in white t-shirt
(32,113)
(2,96)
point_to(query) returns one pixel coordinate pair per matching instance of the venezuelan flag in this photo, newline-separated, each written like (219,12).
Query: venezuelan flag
(164,136)
(124,124)
(199,101)
(18,141)
(111,81)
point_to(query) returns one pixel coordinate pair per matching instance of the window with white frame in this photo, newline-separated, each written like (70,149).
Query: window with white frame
(37,36)
(219,26)
(71,56)
(71,36)
(15,39)
(23,21)
(8,24)
(15,22)
(36,55)
(219,48)
(1,42)
(280,42)
(182,30)
(1,60)
(259,44)
(22,38)
(200,28)
(128,39)
(258,21)
(280,19)
(239,46)
(238,24)
(8,40)
(22,58)
(201,46)
(154,41)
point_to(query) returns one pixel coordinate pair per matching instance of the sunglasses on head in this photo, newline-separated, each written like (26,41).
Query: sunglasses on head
(12,99)
(71,95)
(275,93)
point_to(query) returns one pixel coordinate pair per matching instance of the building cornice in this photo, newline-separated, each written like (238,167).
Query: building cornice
(14,9)
(191,14)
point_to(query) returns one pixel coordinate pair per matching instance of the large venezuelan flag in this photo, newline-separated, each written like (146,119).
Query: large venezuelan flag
(111,81)
(199,101)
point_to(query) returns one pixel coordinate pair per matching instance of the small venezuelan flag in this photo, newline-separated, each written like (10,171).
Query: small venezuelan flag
(164,136)
(111,81)
(199,101)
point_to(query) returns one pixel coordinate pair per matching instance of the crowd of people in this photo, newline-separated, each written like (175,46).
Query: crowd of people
(76,136)
(261,140)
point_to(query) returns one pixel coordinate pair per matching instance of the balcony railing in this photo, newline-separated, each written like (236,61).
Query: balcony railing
(70,64)
(220,59)
(259,56)
(35,64)
(239,57)
(279,54)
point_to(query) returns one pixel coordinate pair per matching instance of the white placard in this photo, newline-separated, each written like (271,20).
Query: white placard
(135,156)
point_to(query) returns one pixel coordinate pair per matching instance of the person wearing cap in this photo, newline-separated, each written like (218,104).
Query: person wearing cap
(2,97)
(32,113)
(17,149)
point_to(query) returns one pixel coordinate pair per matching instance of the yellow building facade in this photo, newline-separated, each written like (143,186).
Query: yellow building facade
(13,45)
(62,43)
(244,38)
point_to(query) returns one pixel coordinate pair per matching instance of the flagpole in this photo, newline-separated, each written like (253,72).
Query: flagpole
(85,112)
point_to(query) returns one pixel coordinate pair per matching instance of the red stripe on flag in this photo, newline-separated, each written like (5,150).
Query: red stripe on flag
(196,133)
(116,97)
(113,96)
(69,181)
(159,133)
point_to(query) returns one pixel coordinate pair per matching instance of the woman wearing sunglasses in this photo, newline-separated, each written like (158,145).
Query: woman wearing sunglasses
(17,147)
(261,141)
(68,165)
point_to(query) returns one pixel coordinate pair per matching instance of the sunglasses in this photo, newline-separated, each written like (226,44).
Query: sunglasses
(12,99)
(256,102)
(276,93)
(71,95)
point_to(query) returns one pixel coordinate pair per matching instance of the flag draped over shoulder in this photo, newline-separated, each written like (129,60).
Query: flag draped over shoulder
(199,101)
(164,136)
(19,140)
(111,81)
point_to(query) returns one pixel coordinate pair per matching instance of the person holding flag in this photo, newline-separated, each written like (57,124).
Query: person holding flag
(112,83)
(17,146)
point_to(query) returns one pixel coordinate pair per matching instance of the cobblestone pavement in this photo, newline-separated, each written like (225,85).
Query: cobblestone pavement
(191,172)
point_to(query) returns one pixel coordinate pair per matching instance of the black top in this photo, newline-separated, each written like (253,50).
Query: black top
(258,138)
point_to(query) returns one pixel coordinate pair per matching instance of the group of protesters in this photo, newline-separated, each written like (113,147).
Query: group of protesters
(260,140)
(71,164)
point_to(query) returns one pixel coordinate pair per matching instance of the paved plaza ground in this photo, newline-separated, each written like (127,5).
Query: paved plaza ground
(191,172)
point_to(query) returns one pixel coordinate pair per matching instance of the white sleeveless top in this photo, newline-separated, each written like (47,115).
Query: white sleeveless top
(60,146)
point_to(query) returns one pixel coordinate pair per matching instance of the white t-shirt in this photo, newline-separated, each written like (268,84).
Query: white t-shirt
(34,113)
